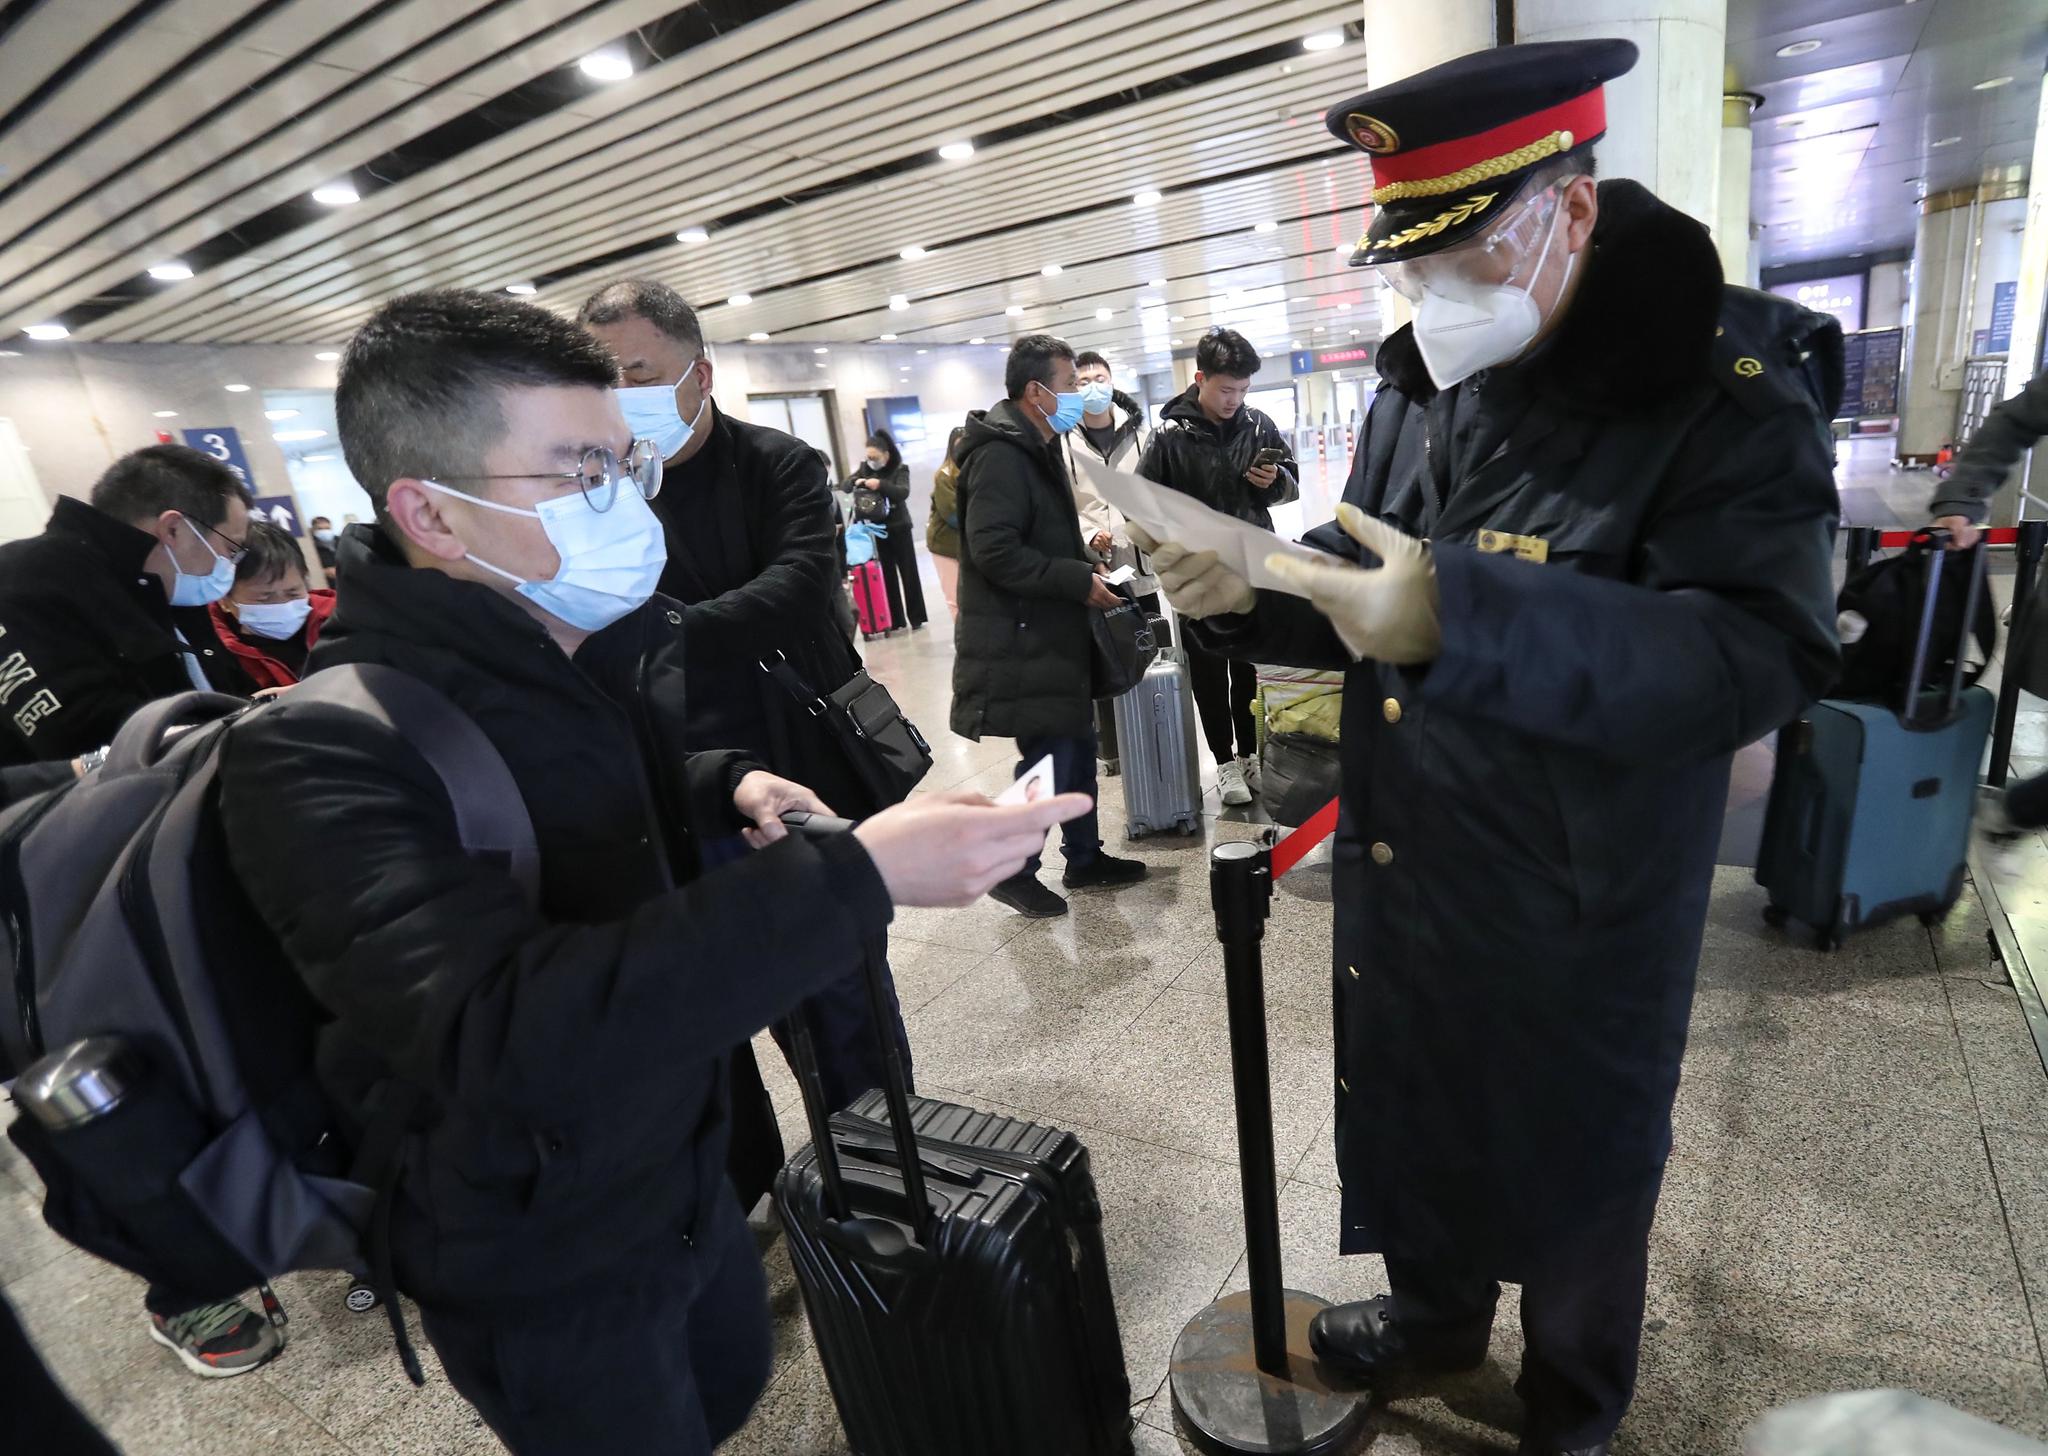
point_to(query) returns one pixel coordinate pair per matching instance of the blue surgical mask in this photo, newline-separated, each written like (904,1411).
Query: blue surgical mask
(1096,398)
(651,414)
(276,620)
(1067,414)
(611,559)
(193,589)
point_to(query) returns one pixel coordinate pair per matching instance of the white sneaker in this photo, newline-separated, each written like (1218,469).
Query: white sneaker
(1231,785)
(1253,776)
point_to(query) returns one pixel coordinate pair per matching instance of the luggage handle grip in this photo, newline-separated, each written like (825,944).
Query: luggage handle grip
(877,1241)
(883,1145)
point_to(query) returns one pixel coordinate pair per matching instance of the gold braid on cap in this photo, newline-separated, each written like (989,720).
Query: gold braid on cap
(1553,145)
(1465,211)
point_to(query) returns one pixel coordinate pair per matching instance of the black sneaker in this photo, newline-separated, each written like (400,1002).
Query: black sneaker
(1024,894)
(1104,872)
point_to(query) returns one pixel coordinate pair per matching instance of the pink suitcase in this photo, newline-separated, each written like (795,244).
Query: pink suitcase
(870,599)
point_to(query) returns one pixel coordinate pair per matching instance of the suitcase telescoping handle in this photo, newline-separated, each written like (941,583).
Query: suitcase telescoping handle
(875,1237)
(1935,540)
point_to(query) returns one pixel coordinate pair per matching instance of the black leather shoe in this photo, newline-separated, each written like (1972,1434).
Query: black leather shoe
(1024,894)
(1364,1340)
(1105,871)
(1528,1448)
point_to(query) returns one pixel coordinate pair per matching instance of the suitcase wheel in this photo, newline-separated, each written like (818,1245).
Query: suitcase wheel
(1932,918)
(1828,941)
(1777,915)
(361,1298)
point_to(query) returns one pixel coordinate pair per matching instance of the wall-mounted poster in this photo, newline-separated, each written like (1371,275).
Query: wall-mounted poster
(1870,373)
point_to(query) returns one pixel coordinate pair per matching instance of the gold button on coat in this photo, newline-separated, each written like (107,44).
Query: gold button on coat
(1382,854)
(1392,709)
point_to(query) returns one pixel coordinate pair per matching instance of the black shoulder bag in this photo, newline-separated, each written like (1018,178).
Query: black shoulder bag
(883,746)
(1123,647)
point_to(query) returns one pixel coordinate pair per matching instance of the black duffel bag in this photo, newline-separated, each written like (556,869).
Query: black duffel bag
(1879,608)
(883,746)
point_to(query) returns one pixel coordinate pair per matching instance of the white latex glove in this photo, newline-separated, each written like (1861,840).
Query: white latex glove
(1388,612)
(1196,583)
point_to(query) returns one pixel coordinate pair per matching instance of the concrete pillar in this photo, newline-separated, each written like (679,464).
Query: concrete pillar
(1731,221)
(1402,37)
(1664,117)
(1951,295)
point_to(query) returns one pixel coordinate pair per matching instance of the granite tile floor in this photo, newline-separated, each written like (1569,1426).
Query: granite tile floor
(1858,1194)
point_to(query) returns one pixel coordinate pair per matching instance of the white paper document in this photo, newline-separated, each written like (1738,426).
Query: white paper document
(1167,515)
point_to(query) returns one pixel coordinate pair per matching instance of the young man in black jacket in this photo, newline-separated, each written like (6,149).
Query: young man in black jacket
(1024,645)
(748,520)
(562,1213)
(106,610)
(1231,457)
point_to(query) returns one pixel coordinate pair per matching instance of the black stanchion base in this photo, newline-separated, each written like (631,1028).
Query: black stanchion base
(1225,1404)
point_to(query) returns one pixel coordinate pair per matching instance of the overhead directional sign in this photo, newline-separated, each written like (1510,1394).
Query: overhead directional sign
(224,444)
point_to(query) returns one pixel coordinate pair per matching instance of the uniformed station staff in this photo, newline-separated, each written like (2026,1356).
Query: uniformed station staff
(1587,532)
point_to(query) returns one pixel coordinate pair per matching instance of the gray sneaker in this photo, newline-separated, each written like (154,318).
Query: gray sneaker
(218,1340)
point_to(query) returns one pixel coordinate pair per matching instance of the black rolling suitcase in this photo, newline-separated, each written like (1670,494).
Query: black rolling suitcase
(957,1285)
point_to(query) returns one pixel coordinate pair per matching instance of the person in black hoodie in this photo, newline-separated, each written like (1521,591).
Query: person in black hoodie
(1024,645)
(562,1214)
(883,475)
(1207,446)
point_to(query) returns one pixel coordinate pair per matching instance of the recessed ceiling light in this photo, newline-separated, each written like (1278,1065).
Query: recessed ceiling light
(1294,343)
(1015,310)
(10,353)
(1174,342)
(1354,333)
(1051,270)
(164,414)
(1105,313)
(1266,226)
(977,339)
(524,290)
(924,351)
(612,65)
(1156,283)
(281,414)
(328,356)
(740,300)
(911,254)
(821,364)
(1800,48)
(1319,328)
(1993,84)
(1343,308)
(1323,40)
(1945,142)
(336,194)
(1178,318)
(313,459)
(694,235)
(47,332)
(888,338)
(236,388)
(172,272)
(758,337)
(821,349)
(1147,198)
(957,151)
(290,437)
(1345,250)
(899,301)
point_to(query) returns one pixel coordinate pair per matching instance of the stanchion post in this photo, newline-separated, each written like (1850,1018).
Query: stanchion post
(1244,1380)
(1862,543)
(2027,548)
(1241,890)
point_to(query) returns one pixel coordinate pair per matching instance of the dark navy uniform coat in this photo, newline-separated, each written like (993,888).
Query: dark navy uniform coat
(1530,821)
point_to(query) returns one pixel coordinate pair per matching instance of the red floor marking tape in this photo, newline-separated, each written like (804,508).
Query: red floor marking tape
(1290,851)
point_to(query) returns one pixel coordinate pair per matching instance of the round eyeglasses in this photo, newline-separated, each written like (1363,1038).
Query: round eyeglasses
(599,474)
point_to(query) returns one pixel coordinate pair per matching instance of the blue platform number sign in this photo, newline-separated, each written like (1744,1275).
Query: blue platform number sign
(280,511)
(224,444)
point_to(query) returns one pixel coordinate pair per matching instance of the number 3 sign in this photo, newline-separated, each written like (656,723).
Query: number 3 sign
(224,444)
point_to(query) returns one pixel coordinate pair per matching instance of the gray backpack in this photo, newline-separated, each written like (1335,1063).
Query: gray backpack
(163,1042)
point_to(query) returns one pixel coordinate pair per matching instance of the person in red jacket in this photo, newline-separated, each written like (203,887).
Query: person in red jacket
(271,619)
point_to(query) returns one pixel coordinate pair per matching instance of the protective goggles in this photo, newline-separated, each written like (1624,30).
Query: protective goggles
(1506,256)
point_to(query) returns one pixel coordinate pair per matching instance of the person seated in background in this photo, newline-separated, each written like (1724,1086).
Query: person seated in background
(1232,458)
(747,520)
(271,617)
(561,1214)
(106,609)
(1024,648)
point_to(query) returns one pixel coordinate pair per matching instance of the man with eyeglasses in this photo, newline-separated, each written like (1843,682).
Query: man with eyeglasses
(103,612)
(561,1212)
(1583,557)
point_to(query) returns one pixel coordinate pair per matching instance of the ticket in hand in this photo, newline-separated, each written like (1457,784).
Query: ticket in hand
(1035,784)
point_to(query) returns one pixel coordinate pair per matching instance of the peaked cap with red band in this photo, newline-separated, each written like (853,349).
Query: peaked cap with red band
(1453,146)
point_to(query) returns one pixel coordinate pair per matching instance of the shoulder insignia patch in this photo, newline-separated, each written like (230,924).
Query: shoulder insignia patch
(1748,368)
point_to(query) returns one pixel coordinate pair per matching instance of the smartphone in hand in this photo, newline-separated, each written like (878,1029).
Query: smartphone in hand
(1271,455)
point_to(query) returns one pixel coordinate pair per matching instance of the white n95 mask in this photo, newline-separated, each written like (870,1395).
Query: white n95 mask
(1463,326)
(611,559)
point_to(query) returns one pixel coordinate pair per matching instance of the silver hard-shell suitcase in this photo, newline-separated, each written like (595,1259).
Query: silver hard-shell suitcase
(1155,731)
